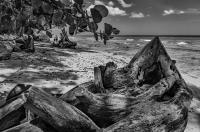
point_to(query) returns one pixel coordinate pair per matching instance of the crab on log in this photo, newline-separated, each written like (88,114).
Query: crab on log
(148,94)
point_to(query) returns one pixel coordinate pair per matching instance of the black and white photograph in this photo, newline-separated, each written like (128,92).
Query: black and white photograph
(99,65)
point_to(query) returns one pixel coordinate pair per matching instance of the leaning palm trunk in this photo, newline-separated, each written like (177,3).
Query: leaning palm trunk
(148,94)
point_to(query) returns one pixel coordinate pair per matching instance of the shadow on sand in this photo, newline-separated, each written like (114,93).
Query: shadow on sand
(31,68)
(42,57)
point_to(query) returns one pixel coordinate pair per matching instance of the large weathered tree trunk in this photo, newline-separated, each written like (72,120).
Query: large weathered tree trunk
(148,94)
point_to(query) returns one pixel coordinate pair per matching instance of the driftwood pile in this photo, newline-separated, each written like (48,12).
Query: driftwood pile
(147,95)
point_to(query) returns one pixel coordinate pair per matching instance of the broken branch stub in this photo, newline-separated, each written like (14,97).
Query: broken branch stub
(98,79)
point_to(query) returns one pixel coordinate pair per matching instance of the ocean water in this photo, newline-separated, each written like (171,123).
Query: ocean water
(185,50)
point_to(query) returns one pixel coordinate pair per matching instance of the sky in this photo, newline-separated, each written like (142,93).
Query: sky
(153,17)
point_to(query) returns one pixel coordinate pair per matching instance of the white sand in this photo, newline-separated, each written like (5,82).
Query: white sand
(54,68)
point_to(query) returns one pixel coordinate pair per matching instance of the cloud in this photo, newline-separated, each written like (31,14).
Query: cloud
(168,12)
(137,15)
(113,11)
(98,2)
(192,11)
(124,4)
(171,11)
(179,12)
(110,3)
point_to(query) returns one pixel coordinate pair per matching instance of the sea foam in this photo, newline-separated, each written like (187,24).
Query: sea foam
(146,40)
(182,43)
(130,40)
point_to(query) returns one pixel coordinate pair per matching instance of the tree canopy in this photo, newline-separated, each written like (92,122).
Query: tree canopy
(43,14)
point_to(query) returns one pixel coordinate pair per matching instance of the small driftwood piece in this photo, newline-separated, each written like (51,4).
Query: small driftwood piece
(36,125)
(6,48)
(11,113)
(64,41)
(24,43)
(26,127)
(148,94)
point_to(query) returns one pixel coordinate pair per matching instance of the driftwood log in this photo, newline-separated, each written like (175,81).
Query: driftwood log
(148,94)
(12,113)
(5,50)
(7,46)
(64,41)
(25,43)
(36,125)
(53,111)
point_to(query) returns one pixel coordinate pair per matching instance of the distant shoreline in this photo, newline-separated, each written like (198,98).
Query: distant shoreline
(192,36)
(159,35)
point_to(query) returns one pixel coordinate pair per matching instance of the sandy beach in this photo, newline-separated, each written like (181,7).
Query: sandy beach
(58,70)
(53,69)
(98,65)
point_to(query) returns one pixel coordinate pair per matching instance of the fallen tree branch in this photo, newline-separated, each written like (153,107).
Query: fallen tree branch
(57,113)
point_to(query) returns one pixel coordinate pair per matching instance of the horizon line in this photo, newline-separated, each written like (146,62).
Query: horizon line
(139,35)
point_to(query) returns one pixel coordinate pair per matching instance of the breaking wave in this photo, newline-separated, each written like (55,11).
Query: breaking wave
(130,40)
